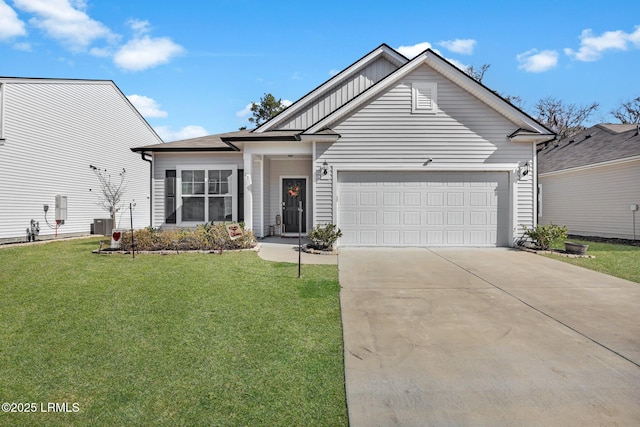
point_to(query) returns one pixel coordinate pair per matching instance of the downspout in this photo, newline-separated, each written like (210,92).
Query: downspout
(143,154)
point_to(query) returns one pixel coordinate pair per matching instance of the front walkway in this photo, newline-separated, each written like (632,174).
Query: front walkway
(285,249)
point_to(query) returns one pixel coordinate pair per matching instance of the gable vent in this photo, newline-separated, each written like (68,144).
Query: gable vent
(424,97)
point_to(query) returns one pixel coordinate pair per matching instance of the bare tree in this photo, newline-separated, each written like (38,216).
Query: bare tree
(477,74)
(564,119)
(111,192)
(628,112)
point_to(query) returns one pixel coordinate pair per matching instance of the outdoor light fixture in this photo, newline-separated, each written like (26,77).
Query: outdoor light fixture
(524,169)
(429,160)
(325,168)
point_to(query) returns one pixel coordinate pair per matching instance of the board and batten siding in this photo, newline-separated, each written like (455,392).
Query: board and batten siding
(337,96)
(54,130)
(170,161)
(386,132)
(593,201)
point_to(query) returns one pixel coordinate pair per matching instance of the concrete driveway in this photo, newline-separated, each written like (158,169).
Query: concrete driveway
(486,337)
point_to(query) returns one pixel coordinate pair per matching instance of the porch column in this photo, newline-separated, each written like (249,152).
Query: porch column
(248,191)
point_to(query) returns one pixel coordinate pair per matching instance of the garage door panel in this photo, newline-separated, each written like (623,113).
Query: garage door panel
(423,208)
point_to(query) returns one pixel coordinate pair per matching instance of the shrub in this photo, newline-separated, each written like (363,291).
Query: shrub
(545,235)
(209,236)
(323,237)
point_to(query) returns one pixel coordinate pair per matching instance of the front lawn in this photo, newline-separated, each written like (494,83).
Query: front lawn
(610,258)
(188,339)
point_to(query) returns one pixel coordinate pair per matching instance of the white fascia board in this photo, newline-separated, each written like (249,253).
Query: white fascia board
(484,94)
(591,166)
(535,138)
(302,102)
(366,96)
(450,71)
(278,148)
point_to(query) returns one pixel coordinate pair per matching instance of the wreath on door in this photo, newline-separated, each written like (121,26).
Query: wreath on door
(294,190)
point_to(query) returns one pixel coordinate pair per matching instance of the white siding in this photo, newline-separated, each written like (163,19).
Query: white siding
(169,161)
(594,201)
(340,94)
(323,188)
(54,130)
(464,131)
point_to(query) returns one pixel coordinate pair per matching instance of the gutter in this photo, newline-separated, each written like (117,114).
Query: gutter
(142,155)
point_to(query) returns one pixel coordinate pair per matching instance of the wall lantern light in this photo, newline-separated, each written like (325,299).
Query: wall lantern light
(325,168)
(524,170)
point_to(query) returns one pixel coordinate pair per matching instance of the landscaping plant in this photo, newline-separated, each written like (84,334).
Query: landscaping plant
(323,237)
(204,237)
(545,235)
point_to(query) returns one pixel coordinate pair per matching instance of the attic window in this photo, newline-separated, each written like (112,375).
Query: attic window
(424,98)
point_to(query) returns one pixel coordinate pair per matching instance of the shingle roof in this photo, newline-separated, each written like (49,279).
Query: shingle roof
(598,144)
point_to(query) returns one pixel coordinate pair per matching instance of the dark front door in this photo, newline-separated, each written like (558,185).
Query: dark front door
(290,204)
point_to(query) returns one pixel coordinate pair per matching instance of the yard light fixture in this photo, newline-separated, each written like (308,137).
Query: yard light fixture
(325,168)
(429,160)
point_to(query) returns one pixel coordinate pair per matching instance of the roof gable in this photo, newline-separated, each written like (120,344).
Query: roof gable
(598,144)
(324,99)
(454,74)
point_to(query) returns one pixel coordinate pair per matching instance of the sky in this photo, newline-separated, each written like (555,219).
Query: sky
(193,67)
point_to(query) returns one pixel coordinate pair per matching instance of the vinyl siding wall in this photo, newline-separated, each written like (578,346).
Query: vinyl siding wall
(594,201)
(337,96)
(167,161)
(386,133)
(54,130)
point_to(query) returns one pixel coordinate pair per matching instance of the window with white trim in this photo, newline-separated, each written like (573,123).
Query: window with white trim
(208,194)
(424,97)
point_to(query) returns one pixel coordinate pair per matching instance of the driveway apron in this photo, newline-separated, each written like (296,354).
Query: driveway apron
(486,337)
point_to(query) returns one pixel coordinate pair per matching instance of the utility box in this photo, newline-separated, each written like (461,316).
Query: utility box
(61,209)
(103,226)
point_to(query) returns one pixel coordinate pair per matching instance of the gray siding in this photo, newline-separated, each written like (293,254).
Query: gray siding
(54,130)
(593,201)
(386,133)
(344,91)
(168,161)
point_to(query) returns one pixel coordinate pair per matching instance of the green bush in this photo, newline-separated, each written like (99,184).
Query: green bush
(544,236)
(209,236)
(323,237)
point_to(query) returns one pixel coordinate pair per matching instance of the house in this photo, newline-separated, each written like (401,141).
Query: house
(396,152)
(590,182)
(51,131)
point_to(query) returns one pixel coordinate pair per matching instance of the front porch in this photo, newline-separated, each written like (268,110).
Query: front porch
(269,208)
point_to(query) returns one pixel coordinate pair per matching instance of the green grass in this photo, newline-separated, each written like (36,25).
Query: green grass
(615,259)
(180,340)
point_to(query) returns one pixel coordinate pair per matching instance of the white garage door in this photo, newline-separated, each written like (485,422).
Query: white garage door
(423,208)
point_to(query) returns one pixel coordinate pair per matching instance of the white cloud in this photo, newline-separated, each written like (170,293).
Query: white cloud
(148,107)
(187,132)
(138,26)
(146,52)
(10,24)
(24,46)
(592,47)
(533,61)
(414,50)
(245,112)
(64,22)
(461,46)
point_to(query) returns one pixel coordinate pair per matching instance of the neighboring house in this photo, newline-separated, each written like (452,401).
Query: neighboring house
(51,130)
(396,152)
(591,182)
